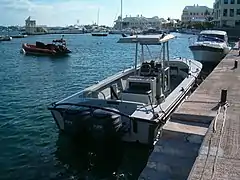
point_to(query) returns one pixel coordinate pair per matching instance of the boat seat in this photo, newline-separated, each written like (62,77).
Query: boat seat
(40,44)
(137,91)
(157,69)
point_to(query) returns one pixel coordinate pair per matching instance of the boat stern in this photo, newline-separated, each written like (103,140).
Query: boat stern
(58,117)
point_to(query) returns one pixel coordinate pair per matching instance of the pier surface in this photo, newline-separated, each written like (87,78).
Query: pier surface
(201,141)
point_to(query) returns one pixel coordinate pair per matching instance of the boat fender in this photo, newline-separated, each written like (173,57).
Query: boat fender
(22,51)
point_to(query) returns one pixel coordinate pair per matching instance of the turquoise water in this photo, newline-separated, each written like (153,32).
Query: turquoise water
(30,145)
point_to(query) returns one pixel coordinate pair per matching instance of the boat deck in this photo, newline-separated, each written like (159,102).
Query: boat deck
(189,147)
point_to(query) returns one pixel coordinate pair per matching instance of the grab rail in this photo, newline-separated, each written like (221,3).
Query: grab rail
(92,106)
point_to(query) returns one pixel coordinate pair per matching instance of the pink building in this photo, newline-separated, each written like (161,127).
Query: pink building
(196,13)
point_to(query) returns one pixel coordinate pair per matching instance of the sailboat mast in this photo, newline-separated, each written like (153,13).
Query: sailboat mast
(121,17)
(98,17)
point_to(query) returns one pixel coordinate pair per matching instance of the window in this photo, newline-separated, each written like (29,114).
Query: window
(238,12)
(190,13)
(231,12)
(208,37)
(232,1)
(237,23)
(238,1)
(225,12)
(225,1)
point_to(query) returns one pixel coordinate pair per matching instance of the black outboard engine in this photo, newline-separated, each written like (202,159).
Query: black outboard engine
(104,125)
(96,124)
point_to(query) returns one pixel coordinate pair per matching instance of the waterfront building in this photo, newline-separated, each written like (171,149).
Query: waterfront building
(196,13)
(32,28)
(138,22)
(227,13)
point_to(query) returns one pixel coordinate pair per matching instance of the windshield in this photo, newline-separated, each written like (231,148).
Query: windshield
(211,37)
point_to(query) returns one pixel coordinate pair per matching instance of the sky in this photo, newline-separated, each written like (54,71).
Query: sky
(68,12)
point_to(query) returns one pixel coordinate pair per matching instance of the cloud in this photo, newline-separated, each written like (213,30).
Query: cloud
(50,12)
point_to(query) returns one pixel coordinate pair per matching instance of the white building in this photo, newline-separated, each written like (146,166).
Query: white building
(196,13)
(138,22)
(227,13)
(30,26)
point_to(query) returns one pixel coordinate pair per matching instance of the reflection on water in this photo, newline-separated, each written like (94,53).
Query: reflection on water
(85,160)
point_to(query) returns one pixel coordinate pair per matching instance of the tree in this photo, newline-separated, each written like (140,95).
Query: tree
(206,13)
(209,18)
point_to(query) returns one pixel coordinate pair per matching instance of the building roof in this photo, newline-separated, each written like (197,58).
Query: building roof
(197,8)
(213,32)
(140,19)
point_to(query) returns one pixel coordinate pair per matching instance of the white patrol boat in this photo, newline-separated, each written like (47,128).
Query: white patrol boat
(133,104)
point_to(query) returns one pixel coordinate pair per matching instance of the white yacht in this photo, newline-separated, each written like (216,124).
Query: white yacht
(99,33)
(5,38)
(211,46)
(134,104)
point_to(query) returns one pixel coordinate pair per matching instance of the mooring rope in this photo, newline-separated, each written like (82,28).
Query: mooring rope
(220,139)
(224,106)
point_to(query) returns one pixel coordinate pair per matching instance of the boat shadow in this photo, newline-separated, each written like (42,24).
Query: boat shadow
(85,159)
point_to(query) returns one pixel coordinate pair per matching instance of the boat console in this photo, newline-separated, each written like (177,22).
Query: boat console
(151,68)
(139,88)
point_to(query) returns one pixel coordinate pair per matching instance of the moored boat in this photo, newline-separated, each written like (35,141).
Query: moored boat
(5,38)
(57,48)
(211,46)
(133,104)
(99,33)
(19,36)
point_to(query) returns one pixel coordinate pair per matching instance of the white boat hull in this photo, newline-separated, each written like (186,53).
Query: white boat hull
(212,55)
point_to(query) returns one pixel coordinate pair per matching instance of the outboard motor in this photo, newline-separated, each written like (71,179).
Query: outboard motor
(104,125)
(97,124)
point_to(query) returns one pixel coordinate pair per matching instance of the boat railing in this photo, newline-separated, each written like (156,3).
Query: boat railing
(54,106)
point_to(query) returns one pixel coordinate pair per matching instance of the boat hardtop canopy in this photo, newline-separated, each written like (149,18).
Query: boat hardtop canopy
(216,32)
(147,39)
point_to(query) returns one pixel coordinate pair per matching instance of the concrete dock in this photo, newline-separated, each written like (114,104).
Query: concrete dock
(201,141)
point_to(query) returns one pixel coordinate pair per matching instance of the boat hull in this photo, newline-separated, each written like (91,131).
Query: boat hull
(99,34)
(33,50)
(5,38)
(208,54)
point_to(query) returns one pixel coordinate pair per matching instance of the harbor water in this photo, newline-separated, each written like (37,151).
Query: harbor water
(30,144)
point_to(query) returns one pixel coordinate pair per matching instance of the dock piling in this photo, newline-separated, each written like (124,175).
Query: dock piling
(223,97)
(235,64)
